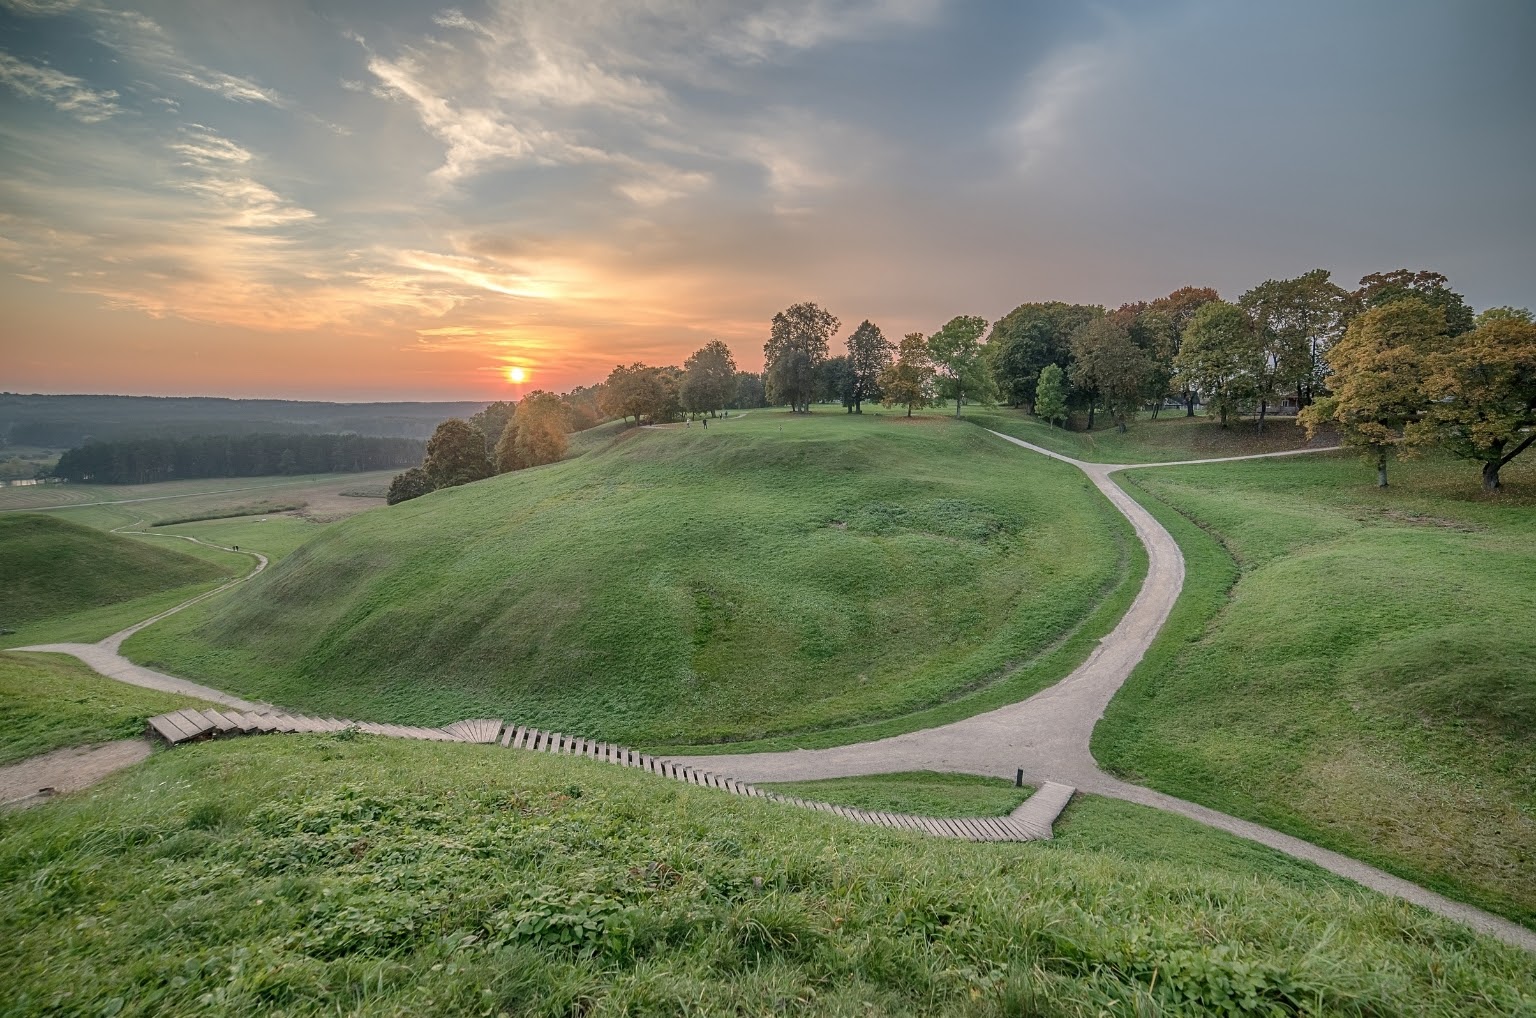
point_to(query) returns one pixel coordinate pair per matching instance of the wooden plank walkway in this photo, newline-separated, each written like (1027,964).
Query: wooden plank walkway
(1030,822)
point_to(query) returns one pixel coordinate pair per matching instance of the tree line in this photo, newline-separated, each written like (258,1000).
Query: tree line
(147,460)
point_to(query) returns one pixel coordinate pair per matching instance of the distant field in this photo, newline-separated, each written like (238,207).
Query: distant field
(310,875)
(1369,683)
(1171,437)
(685,584)
(172,499)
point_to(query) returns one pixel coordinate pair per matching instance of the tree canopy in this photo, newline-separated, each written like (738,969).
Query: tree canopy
(535,436)
(709,379)
(797,344)
(1108,364)
(1432,288)
(1051,394)
(908,380)
(1220,357)
(1028,338)
(456,455)
(956,352)
(868,354)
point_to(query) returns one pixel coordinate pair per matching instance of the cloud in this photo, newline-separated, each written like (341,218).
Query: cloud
(64,92)
(143,41)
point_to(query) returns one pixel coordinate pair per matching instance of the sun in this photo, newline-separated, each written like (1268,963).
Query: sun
(516,376)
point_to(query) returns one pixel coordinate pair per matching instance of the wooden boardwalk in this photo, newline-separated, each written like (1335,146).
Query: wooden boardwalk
(1030,822)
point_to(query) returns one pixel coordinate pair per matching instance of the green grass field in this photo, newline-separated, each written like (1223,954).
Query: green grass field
(768,576)
(1368,683)
(53,568)
(923,793)
(48,701)
(1171,437)
(310,875)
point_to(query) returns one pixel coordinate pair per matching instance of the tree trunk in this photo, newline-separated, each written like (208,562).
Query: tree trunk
(1491,476)
(1381,468)
(909,409)
(1263,410)
(1120,425)
(1189,404)
(1090,416)
(958,396)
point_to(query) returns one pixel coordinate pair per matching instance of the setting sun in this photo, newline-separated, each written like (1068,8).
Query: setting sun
(516,375)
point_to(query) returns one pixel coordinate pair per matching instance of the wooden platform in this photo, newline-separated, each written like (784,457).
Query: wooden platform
(1030,822)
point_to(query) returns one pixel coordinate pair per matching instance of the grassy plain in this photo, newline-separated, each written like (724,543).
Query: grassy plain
(53,567)
(1351,665)
(48,701)
(311,875)
(1171,437)
(771,575)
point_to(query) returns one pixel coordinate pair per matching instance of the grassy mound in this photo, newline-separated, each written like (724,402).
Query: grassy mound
(770,574)
(48,701)
(1170,437)
(53,567)
(317,875)
(1370,681)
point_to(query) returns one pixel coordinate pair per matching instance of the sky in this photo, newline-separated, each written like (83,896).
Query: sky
(387,199)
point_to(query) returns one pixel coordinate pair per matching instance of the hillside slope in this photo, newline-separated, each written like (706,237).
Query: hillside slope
(322,875)
(53,567)
(767,575)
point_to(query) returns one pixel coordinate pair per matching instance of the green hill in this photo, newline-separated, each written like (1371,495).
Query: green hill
(322,875)
(766,575)
(54,568)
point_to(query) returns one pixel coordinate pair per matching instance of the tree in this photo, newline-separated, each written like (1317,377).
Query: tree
(869,352)
(1027,339)
(491,422)
(1051,394)
(1297,319)
(1106,362)
(413,483)
(536,435)
(1378,378)
(1434,289)
(797,344)
(956,351)
(1181,307)
(834,381)
(456,455)
(1481,395)
(1502,313)
(1220,357)
(1152,333)
(709,379)
(641,390)
(750,394)
(908,380)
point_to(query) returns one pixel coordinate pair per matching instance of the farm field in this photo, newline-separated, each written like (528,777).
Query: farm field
(1351,665)
(357,874)
(735,583)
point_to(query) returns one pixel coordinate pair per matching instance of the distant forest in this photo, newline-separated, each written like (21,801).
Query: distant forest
(60,422)
(146,460)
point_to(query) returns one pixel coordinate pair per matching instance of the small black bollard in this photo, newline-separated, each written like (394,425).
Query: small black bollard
(1018,779)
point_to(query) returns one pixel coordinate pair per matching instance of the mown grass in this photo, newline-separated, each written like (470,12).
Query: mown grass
(319,875)
(1171,437)
(774,575)
(48,701)
(54,568)
(921,793)
(151,498)
(254,509)
(1368,683)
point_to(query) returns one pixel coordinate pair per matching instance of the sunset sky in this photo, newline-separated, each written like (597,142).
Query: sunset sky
(380,199)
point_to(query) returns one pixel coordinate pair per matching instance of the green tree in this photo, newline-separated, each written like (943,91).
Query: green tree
(1153,334)
(750,394)
(834,381)
(1051,394)
(1481,395)
(491,422)
(1027,339)
(413,483)
(640,390)
(456,455)
(869,352)
(908,380)
(797,344)
(1107,363)
(1504,313)
(1181,306)
(1434,289)
(288,462)
(962,370)
(1379,369)
(709,379)
(1220,357)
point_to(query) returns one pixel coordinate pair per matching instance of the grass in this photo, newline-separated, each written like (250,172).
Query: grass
(150,497)
(922,793)
(313,875)
(54,568)
(1353,666)
(48,701)
(254,509)
(1171,437)
(682,586)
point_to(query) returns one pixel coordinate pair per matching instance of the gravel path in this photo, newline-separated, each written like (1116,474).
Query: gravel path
(66,770)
